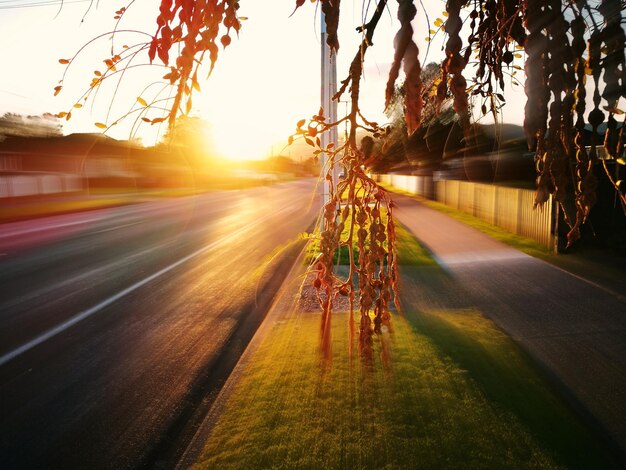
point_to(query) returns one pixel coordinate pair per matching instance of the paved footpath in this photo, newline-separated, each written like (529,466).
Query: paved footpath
(575,329)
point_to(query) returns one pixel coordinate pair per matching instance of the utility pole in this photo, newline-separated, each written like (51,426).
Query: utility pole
(328,90)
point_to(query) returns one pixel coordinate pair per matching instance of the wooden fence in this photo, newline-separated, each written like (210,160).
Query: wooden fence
(509,208)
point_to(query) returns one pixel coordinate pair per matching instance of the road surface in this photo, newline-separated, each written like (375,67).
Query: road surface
(114,323)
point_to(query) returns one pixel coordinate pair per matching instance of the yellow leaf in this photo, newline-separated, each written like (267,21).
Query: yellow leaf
(64,61)
(141,101)
(62,114)
(194,83)
(78,105)
(101,125)
(444,13)
(519,56)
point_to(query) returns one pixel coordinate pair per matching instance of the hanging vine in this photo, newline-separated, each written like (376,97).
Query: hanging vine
(357,202)
(564,42)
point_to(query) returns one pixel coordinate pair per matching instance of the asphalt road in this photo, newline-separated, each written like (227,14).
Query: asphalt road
(574,329)
(114,324)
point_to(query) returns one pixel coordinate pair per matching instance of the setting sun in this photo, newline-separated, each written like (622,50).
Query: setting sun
(248,142)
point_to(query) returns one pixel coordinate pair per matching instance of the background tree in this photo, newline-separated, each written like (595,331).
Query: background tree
(47,125)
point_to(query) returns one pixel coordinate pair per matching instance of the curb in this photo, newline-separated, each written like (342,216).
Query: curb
(273,313)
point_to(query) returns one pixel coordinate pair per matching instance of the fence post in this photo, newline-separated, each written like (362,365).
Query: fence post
(494,211)
(518,220)
(475,201)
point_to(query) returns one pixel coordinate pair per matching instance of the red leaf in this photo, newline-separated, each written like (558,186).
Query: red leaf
(152,50)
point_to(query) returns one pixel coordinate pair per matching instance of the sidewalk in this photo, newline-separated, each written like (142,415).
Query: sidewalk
(574,329)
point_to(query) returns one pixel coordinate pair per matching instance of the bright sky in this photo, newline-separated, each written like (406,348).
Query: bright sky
(262,85)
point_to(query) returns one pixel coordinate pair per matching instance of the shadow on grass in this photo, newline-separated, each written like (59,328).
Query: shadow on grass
(511,382)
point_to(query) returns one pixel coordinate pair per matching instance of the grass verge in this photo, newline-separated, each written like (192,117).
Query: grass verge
(518,242)
(458,393)
(47,208)
(99,198)
(409,253)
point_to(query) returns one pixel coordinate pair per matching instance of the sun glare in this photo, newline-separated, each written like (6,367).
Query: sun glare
(238,143)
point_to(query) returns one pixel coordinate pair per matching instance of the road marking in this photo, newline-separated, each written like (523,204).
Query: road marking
(41,228)
(101,216)
(117,227)
(105,303)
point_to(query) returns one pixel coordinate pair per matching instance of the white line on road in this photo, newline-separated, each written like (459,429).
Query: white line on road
(105,303)
(117,227)
(43,227)
(101,216)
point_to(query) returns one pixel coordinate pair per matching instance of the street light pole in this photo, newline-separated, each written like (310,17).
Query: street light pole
(328,90)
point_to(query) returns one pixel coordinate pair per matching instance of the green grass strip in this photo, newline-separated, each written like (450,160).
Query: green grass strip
(409,253)
(518,242)
(458,393)
(425,411)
